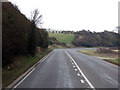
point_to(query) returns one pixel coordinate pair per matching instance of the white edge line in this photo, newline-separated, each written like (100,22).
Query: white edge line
(30,72)
(44,58)
(24,78)
(80,71)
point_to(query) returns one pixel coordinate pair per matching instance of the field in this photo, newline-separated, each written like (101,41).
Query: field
(64,38)
(104,56)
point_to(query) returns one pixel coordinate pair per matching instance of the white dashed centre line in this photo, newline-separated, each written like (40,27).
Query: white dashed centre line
(78,74)
(74,66)
(82,81)
(80,71)
(75,69)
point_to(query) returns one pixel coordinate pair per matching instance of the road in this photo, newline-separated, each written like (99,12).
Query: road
(67,68)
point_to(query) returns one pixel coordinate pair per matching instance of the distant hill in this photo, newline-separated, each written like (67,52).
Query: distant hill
(92,39)
(63,38)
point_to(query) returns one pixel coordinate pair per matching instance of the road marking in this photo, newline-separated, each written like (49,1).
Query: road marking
(75,69)
(45,58)
(82,81)
(32,70)
(74,66)
(72,63)
(78,74)
(24,78)
(80,70)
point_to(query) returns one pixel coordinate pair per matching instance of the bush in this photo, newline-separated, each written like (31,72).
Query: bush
(20,35)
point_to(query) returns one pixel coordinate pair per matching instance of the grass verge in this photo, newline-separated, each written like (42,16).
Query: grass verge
(92,53)
(19,66)
(116,61)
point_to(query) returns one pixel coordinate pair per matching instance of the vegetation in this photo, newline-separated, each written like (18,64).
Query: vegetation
(116,61)
(63,38)
(19,66)
(20,35)
(93,53)
(103,54)
(55,43)
(93,39)
(23,43)
(88,51)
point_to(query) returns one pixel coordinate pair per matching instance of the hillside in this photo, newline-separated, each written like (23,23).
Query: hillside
(93,39)
(20,35)
(23,44)
(64,38)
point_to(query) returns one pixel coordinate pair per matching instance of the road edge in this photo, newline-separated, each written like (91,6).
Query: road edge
(15,82)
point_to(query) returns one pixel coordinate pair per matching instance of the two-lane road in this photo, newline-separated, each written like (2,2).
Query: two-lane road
(67,68)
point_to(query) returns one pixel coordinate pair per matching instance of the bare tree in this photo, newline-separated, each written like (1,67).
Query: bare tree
(36,18)
(117,29)
(35,22)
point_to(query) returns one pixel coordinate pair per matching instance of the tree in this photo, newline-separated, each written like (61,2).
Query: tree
(31,40)
(35,21)
(20,36)
(89,39)
(14,34)
(36,18)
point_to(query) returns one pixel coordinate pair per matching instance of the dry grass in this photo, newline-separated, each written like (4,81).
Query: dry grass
(92,52)
(105,55)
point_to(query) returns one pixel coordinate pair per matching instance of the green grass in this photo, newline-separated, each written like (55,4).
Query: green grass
(88,52)
(92,53)
(64,38)
(19,66)
(116,61)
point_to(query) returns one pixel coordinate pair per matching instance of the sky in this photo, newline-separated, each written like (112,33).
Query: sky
(93,15)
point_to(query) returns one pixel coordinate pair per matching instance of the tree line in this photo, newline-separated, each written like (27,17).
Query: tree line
(93,39)
(20,36)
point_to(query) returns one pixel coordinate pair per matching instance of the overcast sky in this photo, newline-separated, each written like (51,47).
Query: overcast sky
(93,15)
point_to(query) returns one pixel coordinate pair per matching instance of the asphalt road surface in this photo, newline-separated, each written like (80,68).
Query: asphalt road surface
(67,68)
